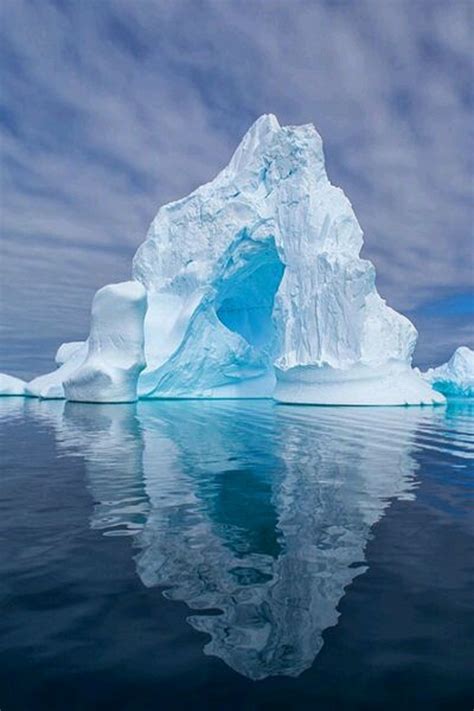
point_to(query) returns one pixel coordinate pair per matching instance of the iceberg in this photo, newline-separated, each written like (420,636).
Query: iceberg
(456,377)
(9,385)
(254,288)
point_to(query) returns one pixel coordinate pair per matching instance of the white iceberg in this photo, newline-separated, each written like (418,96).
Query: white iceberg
(255,288)
(9,385)
(456,377)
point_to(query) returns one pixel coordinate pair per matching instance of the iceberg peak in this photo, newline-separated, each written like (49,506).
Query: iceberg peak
(257,135)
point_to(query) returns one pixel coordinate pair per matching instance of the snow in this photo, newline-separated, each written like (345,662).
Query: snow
(254,288)
(9,385)
(456,377)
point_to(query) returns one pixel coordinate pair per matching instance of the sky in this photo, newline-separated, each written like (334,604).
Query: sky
(111,108)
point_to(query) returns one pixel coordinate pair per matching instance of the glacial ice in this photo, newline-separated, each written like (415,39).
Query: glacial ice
(456,377)
(9,385)
(254,288)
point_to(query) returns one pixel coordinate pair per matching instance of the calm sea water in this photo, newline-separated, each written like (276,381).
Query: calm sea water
(235,555)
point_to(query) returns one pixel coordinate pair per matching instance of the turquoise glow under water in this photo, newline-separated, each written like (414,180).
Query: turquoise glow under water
(247,554)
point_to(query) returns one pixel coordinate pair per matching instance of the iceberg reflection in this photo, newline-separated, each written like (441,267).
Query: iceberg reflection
(255,515)
(263,513)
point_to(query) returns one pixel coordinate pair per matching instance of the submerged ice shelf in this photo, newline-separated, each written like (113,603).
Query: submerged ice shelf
(252,286)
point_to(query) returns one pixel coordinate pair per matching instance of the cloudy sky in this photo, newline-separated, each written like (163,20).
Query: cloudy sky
(112,108)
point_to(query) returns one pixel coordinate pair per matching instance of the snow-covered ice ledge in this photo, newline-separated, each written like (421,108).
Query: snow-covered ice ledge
(252,286)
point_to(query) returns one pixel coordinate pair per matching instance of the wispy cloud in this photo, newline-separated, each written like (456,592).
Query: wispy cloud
(113,108)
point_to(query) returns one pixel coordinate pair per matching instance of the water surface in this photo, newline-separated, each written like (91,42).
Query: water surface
(243,554)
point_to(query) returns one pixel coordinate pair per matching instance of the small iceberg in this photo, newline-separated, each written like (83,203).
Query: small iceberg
(456,377)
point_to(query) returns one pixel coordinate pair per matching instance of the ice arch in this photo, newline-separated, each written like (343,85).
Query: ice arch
(245,305)
(227,342)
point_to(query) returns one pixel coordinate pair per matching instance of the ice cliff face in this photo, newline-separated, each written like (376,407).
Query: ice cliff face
(456,377)
(255,288)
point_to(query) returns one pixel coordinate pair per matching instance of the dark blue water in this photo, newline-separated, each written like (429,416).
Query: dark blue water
(225,555)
